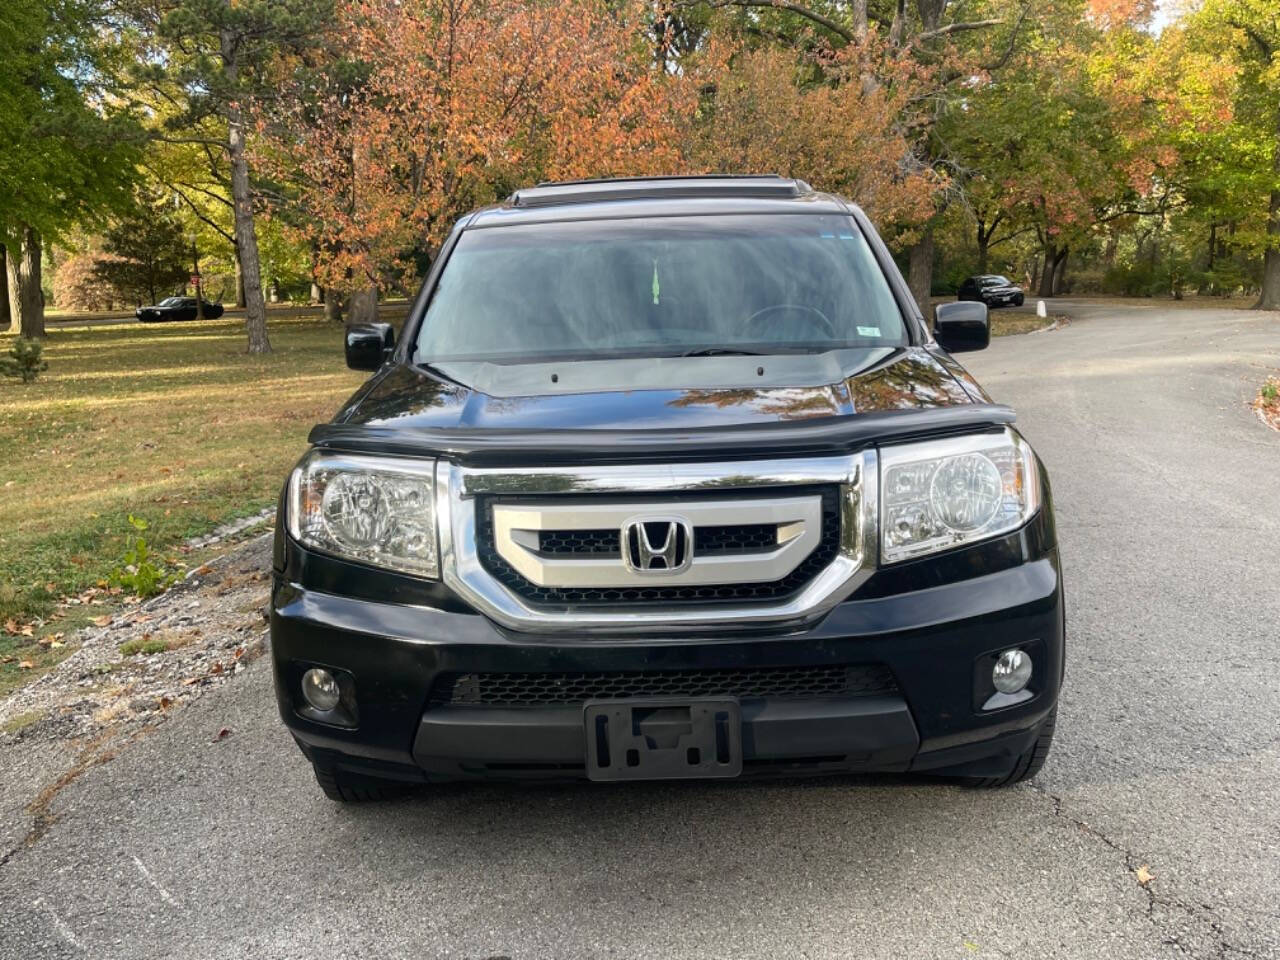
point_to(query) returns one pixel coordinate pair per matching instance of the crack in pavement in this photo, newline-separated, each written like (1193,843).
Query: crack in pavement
(1204,914)
(98,751)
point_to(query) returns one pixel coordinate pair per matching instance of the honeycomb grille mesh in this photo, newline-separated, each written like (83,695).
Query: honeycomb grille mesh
(707,541)
(723,539)
(549,689)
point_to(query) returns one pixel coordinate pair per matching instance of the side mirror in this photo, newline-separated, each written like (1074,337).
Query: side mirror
(961,326)
(368,345)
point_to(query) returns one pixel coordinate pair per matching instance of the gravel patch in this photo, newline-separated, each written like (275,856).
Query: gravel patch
(154,657)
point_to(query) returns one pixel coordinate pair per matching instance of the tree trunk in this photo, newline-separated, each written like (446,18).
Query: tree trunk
(1059,271)
(255,309)
(199,281)
(363,306)
(983,245)
(332,306)
(239,282)
(23,269)
(1270,298)
(1048,270)
(920,271)
(317,293)
(6,316)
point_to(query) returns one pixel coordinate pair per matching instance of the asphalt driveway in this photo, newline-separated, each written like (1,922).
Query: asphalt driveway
(1167,762)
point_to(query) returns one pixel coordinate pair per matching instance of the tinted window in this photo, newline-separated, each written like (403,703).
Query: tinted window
(659,287)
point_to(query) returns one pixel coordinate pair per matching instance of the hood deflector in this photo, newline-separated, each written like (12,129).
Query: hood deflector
(823,436)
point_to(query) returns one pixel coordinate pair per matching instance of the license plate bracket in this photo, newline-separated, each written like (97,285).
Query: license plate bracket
(656,739)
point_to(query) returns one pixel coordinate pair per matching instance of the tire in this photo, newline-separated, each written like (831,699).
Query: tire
(1027,765)
(1019,300)
(343,787)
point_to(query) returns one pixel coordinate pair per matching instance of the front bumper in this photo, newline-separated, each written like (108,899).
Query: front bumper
(936,638)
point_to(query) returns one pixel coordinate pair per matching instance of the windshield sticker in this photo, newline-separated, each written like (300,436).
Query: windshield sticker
(868,331)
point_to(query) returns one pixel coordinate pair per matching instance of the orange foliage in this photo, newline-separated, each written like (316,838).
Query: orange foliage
(463,101)
(847,136)
(1114,13)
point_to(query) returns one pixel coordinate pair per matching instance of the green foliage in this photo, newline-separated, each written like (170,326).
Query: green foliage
(25,360)
(138,571)
(143,645)
(66,152)
(147,251)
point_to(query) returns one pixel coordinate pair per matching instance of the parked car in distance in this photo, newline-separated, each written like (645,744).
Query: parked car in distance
(667,478)
(177,308)
(991,289)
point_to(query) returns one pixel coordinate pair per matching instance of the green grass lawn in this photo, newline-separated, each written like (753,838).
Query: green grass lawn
(174,423)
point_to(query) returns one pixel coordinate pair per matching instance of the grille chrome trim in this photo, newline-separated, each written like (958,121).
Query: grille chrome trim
(516,527)
(457,488)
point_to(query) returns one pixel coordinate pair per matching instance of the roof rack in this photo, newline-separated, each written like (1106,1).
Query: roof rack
(767,186)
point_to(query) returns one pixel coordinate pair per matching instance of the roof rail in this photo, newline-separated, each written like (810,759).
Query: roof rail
(765,186)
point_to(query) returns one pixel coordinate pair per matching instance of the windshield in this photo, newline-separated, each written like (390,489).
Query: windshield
(663,286)
(169,302)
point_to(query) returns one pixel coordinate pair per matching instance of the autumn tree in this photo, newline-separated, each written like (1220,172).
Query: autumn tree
(220,54)
(768,114)
(1227,120)
(437,106)
(67,153)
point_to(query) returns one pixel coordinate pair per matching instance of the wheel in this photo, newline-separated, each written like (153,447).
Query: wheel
(346,787)
(1018,300)
(1027,765)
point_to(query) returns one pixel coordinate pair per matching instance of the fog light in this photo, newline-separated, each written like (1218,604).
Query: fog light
(1012,671)
(320,689)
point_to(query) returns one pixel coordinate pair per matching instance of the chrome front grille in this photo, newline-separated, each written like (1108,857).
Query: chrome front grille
(658,547)
(732,582)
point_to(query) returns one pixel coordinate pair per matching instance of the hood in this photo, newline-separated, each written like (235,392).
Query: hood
(658,393)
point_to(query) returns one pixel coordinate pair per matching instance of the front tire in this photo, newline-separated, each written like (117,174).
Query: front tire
(343,787)
(1019,300)
(1027,765)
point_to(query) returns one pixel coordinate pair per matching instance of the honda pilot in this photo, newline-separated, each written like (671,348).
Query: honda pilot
(667,478)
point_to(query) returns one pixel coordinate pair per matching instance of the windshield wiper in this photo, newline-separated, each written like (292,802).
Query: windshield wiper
(720,352)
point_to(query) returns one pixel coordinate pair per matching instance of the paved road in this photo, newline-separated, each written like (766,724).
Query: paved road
(1168,756)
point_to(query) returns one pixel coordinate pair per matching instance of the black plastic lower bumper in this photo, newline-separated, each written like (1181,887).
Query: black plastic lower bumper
(829,734)
(938,642)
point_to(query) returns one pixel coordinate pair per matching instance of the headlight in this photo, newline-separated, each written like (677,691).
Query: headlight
(377,510)
(944,493)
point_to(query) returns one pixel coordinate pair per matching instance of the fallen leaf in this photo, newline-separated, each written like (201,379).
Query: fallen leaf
(166,703)
(1144,875)
(11,626)
(217,667)
(190,680)
(25,664)
(28,631)
(222,734)
(102,621)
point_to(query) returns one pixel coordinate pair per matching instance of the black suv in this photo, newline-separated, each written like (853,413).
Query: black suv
(991,289)
(178,308)
(667,478)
